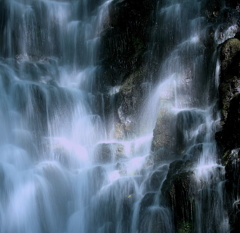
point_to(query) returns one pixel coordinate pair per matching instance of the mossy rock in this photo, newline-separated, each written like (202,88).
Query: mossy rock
(184,227)
(132,80)
(226,158)
(230,74)
(230,51)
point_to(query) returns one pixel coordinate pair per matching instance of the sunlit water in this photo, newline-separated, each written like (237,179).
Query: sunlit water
(60,171)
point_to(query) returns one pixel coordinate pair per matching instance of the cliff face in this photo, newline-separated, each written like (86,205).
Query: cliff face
(228,138)
(124,58)
(134,45)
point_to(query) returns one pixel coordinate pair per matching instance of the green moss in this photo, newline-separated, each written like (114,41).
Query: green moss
(128,84)
(229,50)
(226,157)
(131,81)
(184,227)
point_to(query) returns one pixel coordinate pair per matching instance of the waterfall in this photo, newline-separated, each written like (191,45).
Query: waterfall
(62,170)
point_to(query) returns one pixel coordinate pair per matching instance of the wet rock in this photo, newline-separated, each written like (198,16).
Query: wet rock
(178,191)
(229,137)
(122,50)
(121,167)
(103,153)
(211,9)
(187,121)
(157,178)
(119,132)
(109,152)
(230,74)
(146,202)
(132,95)
(164,135)
(229,54)
(122,55)
(194,152)
(181,198)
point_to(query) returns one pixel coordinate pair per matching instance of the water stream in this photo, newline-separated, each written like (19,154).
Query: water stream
(61,171)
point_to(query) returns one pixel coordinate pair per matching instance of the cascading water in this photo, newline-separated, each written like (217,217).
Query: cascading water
(187,108)
(47,127)
(61,171)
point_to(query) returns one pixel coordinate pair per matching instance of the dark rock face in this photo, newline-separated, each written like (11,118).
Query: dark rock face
(164,135)
(122,58)
(230,73)
(179,192)
(228,138)
(131,94)
(125,41)
(229,143)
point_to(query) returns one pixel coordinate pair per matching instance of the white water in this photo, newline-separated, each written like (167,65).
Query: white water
(184,94)
(59,170)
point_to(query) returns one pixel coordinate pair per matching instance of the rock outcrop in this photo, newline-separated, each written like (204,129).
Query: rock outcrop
(179,193)
(124,45)
(228,138)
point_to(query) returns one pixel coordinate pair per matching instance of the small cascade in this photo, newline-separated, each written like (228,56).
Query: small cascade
(48,128)
(181,114)
(62,169)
